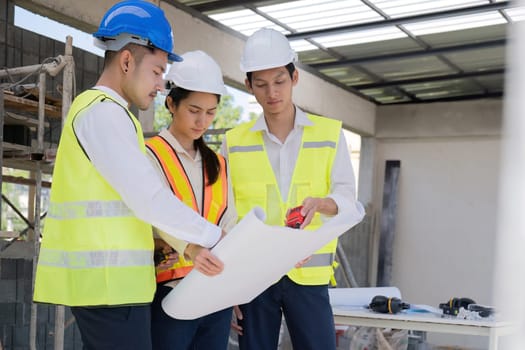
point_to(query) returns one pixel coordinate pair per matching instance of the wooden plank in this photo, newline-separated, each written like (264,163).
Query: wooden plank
(17,119)
(23,181)
(50,100)
(9,234)
(25,164)
(31,106)
(8,146)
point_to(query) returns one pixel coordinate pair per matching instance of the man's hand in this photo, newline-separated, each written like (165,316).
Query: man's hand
(169,256)
(312,205)
(203,260)
(238,316)
(302,262)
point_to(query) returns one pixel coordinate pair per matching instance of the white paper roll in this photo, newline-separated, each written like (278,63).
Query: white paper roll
(255,256)
(360,297)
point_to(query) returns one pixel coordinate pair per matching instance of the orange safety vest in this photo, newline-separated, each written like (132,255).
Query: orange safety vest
(215,196)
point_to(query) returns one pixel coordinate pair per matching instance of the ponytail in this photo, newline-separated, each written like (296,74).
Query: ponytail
(210,161)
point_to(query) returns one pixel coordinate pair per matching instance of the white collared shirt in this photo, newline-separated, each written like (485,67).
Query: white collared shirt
(283,156)
(108,137)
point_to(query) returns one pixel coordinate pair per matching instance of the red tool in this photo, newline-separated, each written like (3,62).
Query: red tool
(294,218)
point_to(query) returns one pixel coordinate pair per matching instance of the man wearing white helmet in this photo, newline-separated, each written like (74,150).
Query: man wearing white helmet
(282,160)
(198,176)
(96,253)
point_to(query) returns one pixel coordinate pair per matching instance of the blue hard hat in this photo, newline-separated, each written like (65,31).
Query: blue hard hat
(138,22)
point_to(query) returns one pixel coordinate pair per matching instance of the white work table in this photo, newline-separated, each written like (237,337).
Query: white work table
(427,322)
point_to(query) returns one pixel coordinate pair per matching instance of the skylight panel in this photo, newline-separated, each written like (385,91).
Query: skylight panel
(226,16)
(249,28)
(302,4)
(244,21)
(302,45)
(304,9)
(455,23)
(404,8)
(360,37)
(312,14)
(516,14)
(320,22)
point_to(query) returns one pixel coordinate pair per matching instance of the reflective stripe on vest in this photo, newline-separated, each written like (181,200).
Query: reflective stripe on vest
(173,170)
(88,209)
(254,183)
(318,260)
(94,251)
(215,197)
(94,259)
(253,148)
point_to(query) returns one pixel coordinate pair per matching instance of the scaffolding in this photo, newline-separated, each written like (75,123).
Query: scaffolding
(35,158)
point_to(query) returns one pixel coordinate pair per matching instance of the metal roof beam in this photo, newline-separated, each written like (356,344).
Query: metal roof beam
(410,54)
(220,5)
(402,20)
(429,79)
(497,94)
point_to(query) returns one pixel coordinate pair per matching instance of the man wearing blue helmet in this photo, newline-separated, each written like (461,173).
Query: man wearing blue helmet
(96,253)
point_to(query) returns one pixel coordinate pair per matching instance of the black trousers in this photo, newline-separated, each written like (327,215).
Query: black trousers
(307,312)
(114,328)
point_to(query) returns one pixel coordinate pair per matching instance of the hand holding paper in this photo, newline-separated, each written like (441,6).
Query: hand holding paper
(255,256)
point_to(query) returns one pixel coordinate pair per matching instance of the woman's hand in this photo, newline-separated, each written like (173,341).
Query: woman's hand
(238,316)
(203,260)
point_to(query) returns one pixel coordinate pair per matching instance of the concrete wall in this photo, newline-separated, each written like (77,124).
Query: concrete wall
(446,211)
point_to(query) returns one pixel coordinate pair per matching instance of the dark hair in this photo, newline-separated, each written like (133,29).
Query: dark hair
(290,67)
(137,51)
(209,157)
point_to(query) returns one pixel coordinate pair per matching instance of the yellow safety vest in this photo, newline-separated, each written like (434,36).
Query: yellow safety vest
(94,250)
(215,199)
(254,184)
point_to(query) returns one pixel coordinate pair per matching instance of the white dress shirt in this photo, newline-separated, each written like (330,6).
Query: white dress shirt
(109,139)
(283,157)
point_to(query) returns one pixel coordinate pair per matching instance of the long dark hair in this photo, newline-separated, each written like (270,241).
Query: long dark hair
(209,157)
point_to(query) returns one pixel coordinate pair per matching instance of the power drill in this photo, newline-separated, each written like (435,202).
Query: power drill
(386,305)
(452,306)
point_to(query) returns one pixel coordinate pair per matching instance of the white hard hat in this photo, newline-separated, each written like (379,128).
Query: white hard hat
(197,72)
(266,48)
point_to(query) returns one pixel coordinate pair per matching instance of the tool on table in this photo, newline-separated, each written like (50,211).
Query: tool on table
(386,305)
(452,306)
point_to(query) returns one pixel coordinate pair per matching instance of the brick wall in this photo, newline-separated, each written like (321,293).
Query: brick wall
(16,301)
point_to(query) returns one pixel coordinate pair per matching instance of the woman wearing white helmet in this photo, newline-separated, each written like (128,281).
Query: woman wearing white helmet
(197,175)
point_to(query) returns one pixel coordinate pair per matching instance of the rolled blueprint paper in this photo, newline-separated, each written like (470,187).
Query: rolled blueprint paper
(255,256)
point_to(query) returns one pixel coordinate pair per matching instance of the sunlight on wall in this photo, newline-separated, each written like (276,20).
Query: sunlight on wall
(54,30)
